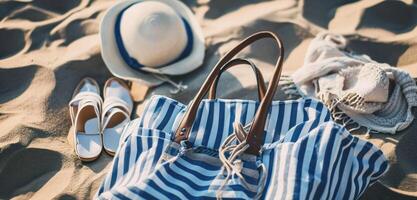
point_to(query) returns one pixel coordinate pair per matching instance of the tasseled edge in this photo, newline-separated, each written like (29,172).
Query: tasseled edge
(353,99)
(342,118)
(289,87)
(350,99)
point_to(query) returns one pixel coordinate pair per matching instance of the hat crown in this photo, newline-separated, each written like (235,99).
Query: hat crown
(152,33)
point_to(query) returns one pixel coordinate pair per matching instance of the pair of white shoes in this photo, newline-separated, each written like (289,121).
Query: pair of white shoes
(97,125)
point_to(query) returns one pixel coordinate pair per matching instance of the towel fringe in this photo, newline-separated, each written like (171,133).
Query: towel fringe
(342,118)
(289,87)
(350,99)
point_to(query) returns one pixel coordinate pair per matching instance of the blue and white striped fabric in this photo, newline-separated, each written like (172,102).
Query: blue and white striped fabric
(305,155)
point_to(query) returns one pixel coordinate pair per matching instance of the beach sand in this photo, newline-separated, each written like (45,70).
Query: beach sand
(48,46)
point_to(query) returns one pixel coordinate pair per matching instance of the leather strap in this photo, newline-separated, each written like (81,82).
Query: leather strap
(236,62)
(256,132)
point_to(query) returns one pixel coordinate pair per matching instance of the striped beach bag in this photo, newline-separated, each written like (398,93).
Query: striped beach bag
(240,149)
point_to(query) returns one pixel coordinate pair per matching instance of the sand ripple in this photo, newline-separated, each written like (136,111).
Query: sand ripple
(48,46)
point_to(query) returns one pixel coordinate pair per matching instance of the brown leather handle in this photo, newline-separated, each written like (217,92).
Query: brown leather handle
(255,135)
(236,62)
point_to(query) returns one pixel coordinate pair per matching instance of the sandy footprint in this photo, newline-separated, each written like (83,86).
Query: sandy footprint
(30,13)
(12,41)
(61,6)
(27,165)
(403,171)
(7,7)
(385,52)
(79,29)
(320,12)
(15,88)
(394,16)
(218,8)
(375,18)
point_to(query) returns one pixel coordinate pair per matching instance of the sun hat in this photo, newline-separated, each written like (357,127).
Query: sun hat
(142,40)
(359,91)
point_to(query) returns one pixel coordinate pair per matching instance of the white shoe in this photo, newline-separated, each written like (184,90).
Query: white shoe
(85,111)
(117,108)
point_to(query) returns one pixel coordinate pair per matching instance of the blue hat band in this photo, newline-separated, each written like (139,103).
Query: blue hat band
(135,64)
